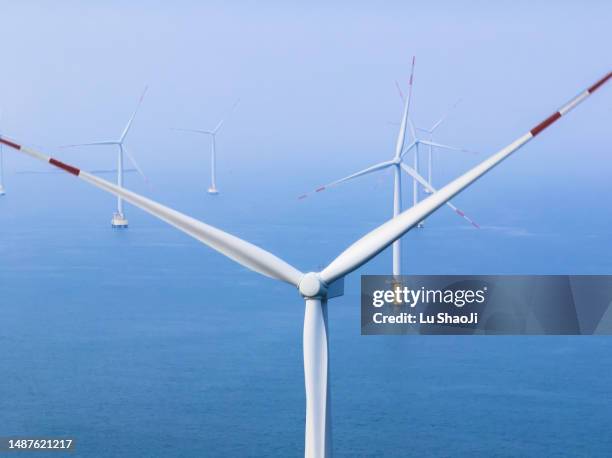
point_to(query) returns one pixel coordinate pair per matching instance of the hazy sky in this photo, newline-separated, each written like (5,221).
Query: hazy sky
(316,82)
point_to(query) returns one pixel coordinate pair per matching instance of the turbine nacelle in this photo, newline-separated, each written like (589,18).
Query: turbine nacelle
(311,286)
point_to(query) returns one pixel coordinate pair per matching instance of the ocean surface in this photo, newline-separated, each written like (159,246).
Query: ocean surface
(145,343)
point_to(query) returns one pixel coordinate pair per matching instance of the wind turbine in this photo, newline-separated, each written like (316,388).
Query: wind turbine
(417,142)
(315,287)
(213,153)
(397,164)
(119,220)
(430,132)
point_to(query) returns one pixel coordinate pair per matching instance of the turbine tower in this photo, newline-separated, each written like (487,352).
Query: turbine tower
(212,190)
(314,287)
(397,165)
(119,221)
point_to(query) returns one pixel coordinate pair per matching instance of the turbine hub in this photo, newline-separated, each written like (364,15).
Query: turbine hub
(312,286)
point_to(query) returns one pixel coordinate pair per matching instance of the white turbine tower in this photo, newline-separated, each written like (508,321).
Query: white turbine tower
(314,287)
(119,220)
(212,190)
(397,165)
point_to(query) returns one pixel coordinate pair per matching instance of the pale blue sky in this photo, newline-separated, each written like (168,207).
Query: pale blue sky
(316,82)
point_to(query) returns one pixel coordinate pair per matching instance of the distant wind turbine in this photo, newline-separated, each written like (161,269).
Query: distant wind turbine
(430,132)
(315,287)
(119,220)
(213,152)
(397,164)
(416,142)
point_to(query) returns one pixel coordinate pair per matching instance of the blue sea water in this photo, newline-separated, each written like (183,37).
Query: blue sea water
(144,343)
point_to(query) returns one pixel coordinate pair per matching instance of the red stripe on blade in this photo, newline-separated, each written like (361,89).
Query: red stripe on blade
(322,188)
(302,197)
(9,143)
(599,83)
(544,124)
(460,213)
(66,167)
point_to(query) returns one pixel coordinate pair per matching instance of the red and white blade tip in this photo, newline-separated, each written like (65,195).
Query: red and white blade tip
(399,89)
(66,167)
(467,218)
(568,106)
(319,189)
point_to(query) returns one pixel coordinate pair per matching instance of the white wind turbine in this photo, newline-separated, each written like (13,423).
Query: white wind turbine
(314,287)
(430,132)
(119,220)
(213,153)
(397,165)
(416,142)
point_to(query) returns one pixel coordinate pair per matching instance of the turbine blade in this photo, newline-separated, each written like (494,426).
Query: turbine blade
(365,171)
(410,123)
(132,159)
(129,124)
(197,131)
(216,129)
(399,90)
(380,238)
(244,253)
(412,128)
(443,118)
(109,171)
(413,173)
(57,172)
(103,143)
(412,145)
(442,146)
(401,135)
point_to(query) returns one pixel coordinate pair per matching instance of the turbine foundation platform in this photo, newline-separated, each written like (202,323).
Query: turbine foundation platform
(119,221)
(213,191)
